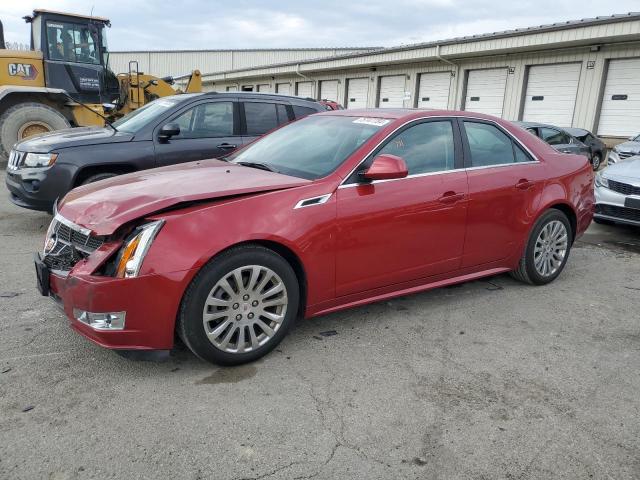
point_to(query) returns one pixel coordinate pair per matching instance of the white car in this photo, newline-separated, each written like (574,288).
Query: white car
(617,191)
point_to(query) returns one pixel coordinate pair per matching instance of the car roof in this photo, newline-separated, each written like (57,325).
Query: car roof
(263,95)
(537,124)
(410,113)
(578,131)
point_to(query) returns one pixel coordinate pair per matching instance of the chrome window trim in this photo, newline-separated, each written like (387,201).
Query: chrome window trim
(343,184)
(415,175)
(321,199)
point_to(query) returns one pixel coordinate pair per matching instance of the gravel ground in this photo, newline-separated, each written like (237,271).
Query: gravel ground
(490,379)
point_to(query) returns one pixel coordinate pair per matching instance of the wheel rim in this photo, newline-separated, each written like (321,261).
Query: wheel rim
(30,129)
(596,162)
(245,309)
(551,248)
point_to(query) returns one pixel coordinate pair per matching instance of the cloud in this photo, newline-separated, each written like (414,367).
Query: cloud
(201,24)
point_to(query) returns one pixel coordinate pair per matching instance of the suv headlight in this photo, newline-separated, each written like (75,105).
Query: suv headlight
(601,181)
(39,159)
(135,248)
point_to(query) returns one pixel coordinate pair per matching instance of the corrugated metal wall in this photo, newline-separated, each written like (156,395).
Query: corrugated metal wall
(163,63)
(587,99)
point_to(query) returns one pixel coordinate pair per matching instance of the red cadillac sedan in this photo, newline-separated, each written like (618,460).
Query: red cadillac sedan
(336,210)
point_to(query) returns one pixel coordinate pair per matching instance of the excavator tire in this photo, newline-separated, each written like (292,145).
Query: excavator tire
(25,120)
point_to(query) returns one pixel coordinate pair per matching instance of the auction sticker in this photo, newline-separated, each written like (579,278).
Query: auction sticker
(378,122)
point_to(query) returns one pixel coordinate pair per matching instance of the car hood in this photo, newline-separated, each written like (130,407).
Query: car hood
(72,137)
(630,169)
(633,147)
(104,206)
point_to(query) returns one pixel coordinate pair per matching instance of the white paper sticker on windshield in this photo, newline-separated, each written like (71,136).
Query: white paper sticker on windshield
(378,122)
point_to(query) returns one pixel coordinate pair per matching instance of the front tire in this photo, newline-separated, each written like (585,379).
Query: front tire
(596,160)
(27,119)
(547,249)
(240,306)
(97,177)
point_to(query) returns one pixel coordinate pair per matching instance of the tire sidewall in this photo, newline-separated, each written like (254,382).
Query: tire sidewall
(548,216)
(98,177)
(20,114)
(191,328)
(595,158)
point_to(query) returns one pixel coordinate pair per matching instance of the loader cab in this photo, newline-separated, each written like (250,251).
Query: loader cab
(75,55)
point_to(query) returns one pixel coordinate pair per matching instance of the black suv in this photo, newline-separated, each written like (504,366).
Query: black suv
(170,130)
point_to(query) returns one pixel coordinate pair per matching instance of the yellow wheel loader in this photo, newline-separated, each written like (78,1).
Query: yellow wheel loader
(65,81)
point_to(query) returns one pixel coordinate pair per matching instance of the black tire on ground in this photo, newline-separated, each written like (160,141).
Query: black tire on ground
(596,161)
(16,117)
(190,326)
(97,177)
(526,271)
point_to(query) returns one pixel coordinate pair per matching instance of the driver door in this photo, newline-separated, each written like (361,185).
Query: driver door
(207,130)
(394,231)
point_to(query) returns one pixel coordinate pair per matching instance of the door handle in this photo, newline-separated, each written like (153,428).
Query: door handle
(451,197)
(524,184)
(226,146)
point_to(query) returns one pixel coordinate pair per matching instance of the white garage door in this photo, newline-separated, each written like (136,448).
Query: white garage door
(392,92)
(283,88)
(433,90)
(485,91)
(264,87)
(329,90)
(304,89)
(357,92)
(551,94)
(620,112)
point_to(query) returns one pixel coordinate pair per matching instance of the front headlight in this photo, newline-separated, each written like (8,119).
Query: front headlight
(601,181)
(39,159)
(135,248)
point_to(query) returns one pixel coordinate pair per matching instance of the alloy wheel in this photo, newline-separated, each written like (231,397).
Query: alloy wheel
(550,248)
(245,309)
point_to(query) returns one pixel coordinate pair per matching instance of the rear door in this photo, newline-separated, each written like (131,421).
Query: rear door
(393,231)
(208,129)
(505,183)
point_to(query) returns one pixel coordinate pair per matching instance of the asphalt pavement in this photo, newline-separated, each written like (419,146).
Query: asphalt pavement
(491,379)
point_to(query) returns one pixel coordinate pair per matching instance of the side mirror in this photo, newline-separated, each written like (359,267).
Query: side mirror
(386,167)
(169,130)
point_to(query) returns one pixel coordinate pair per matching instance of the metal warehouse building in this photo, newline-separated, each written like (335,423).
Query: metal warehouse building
(583,73)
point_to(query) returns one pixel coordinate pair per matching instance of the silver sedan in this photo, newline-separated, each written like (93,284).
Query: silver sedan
(617,192)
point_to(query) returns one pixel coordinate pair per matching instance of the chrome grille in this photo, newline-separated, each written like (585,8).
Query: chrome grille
(69,245)
(624,188)
(623,155)
(15,159)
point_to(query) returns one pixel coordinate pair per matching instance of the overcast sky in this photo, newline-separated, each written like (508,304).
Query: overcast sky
(200,24)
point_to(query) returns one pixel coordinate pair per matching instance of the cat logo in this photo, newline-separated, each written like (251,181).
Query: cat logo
(24,70)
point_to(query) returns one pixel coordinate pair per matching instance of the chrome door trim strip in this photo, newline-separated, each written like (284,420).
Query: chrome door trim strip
(446,117)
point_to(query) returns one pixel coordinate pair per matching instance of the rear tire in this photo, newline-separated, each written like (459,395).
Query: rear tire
(228,316)
(26,119)
(547,249)
(596,161)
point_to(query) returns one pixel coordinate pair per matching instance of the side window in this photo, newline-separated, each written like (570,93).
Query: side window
(488,146)
(532,131)
(207,120)
(553,137)
(299,111)
(260,117)
(426,147)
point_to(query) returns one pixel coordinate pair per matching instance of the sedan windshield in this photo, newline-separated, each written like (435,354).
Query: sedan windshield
(310,148)
(139,118)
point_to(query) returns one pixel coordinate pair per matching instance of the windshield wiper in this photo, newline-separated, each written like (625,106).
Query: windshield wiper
(261,166)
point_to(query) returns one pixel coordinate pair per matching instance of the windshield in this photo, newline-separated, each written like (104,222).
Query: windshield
(134,121)
(637,139)
(310,148)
